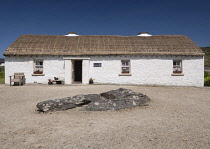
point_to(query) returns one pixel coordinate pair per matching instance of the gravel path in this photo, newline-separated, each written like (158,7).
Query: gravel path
(177,117)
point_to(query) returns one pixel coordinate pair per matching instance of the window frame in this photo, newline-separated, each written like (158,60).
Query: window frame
(180,66)
(128,66)
(38,72)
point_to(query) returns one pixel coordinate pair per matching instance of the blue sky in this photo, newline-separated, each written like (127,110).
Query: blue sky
(104,17)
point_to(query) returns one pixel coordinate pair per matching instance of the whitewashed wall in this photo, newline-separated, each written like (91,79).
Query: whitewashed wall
(53,67)
(145,70)
(148,70)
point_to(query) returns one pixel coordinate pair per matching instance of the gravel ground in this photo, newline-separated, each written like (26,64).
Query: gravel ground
(177,117)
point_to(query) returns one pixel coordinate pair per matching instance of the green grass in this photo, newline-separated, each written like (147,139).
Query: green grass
(206,50)
(2,79)
(207,81)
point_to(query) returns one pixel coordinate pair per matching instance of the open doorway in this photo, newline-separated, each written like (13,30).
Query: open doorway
(77,71)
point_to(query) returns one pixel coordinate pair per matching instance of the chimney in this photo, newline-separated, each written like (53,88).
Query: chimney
(72,34)
(144,34)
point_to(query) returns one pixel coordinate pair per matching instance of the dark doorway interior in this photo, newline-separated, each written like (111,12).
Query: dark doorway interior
(78,71)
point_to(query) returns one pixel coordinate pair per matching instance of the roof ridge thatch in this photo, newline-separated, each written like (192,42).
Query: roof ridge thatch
(103,45)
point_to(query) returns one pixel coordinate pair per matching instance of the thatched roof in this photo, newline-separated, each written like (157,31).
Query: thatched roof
(103,45)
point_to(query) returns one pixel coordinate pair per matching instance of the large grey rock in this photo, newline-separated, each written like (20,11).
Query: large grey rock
(118,99)
(111,100)
(62,104)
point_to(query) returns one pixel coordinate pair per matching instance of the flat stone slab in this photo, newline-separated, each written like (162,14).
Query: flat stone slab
(111,100)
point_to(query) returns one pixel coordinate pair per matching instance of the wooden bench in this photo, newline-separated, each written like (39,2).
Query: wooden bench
(17,78)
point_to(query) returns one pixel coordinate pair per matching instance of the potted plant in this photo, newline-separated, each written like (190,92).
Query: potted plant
(91,81)
(50,82)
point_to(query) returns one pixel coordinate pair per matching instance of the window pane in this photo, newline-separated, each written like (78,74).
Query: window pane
(125,63)
(125,69)
(125,66)
(177,66)
(177,63)
(38,68)
(39,63)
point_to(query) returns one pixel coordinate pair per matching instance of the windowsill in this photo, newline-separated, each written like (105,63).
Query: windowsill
(177,74)
(125,74)
(38,74)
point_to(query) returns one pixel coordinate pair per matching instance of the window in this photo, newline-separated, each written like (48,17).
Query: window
(177,66)
(38,67)
(125,66)
(96,64)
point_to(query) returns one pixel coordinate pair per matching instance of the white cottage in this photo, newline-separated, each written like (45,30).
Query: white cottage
(143,59)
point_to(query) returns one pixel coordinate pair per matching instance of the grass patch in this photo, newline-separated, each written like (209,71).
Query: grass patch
(2,79)
(207,81)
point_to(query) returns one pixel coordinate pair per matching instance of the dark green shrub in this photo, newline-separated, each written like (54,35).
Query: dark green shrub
(207,81)
(1,74)
(2,71)
(206,74)
(1,68)
(1,77)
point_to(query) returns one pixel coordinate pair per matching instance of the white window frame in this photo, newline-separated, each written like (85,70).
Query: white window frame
(125,64)
(177,68)
(38,68)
